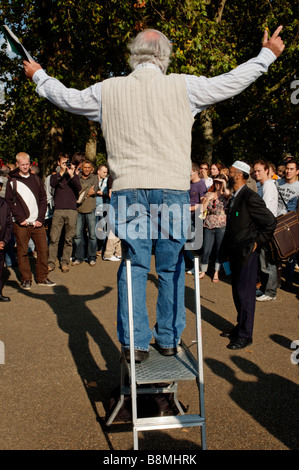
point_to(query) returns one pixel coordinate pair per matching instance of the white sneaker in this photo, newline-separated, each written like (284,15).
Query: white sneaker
(265,298)
(190,271)
(112,258)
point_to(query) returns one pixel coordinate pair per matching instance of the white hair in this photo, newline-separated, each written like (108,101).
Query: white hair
(150,46)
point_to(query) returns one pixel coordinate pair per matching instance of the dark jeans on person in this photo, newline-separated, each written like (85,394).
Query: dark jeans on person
(86,220)
(211,237)
(2,257)
(10,257)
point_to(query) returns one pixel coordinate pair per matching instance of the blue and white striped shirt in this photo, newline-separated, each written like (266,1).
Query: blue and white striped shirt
(202,91)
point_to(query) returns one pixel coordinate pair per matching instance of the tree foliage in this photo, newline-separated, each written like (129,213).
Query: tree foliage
(82,42)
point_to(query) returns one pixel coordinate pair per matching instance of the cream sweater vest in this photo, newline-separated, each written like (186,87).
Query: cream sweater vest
(147,124)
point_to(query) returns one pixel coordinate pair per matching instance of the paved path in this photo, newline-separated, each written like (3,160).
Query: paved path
(62,363)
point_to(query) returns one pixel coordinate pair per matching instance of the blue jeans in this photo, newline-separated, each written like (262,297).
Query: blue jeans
(141,229)
(268,275)
(290,268)
(211,236)
(83,220)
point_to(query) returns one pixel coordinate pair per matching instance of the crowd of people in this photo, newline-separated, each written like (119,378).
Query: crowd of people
(53,220)
(146,119)
(59,220)
(70,203)
(279,188)
(239,207)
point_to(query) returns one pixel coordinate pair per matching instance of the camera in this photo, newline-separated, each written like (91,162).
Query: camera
(68,164)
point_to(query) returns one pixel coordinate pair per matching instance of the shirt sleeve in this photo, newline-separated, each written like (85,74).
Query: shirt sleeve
(270,196)
(87,102)
(204,92)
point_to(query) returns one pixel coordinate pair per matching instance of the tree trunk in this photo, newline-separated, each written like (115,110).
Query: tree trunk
(91,145)
(205,117)
(53,145)
(208,135)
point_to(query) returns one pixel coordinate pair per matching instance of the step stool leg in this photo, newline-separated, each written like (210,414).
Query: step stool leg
(122,397)
(135,432)
(203,437)
(116,410)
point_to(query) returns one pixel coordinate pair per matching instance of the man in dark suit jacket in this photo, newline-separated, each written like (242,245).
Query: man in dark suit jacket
(250,226)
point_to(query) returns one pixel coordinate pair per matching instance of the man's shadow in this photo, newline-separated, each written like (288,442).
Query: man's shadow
(271,399)
(207,315)
(76,320)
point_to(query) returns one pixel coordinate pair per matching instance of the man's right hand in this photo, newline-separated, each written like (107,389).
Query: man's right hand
(275,43)
(30,68)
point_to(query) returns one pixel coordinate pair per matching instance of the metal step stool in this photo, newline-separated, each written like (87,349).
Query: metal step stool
(161,369)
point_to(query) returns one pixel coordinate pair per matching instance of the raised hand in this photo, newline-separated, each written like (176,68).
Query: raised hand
(275,43)
(30,68)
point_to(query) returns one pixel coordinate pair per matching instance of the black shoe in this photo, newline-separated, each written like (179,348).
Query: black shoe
(47,283)
(229,334)
(4,299)
(239,343)
(140,356)
(166,351)
(26,285)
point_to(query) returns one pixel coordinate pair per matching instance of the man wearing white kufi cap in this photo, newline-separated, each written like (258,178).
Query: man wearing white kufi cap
(242,166)
(250,225)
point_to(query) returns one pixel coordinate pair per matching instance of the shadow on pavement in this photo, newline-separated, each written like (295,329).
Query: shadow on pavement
(270,399)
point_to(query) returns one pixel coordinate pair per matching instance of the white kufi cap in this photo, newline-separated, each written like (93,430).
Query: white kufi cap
(242,166)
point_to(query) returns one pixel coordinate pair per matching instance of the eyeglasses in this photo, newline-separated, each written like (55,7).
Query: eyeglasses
(203,168)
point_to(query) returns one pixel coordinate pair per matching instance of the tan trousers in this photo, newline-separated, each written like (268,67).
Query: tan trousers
(113,246)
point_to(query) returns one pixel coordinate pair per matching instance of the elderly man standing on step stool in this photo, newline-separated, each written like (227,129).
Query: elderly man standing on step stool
(146,120)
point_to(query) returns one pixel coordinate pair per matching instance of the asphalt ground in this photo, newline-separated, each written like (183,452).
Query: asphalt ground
(60,366)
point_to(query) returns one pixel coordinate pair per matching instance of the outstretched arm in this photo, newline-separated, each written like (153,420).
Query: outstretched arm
(87,102)
(204,92)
